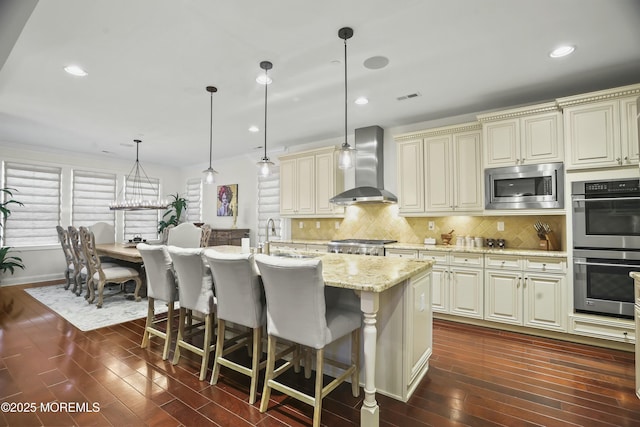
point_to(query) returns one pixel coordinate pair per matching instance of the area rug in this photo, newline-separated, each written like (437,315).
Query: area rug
(86,317)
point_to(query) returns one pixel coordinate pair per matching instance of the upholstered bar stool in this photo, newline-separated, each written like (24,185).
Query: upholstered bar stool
(297,312)
(195,290)
(161,285)
(240,300)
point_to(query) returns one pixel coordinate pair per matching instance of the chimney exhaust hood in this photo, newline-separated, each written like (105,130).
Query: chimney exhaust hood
(369,170)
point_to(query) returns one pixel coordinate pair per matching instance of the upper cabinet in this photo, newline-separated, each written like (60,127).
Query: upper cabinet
(522,136)
(439,170)
(600,128)
(307,181)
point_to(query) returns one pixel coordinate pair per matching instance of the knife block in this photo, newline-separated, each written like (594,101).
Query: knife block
(549,243)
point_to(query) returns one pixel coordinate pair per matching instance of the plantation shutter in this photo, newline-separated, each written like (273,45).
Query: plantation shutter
(38,188)
(269,202)
(92,193)
(194,200)
(143,222)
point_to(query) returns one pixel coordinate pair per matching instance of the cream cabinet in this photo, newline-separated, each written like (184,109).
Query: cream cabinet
(525,291)
(466,284)
(307,181)
(439,279)
(522,136)
(411,176)
(440,170)
(601,129)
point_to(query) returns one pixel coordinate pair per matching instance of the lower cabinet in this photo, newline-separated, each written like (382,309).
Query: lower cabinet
(524,297)
(456,282)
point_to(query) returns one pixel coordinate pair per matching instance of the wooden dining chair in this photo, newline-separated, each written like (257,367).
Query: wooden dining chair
(98,276)
(185,235)
(205,235)
(71,266)
(81,274)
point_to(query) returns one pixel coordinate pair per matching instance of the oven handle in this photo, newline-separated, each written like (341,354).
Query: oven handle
(602,264)
(605,199)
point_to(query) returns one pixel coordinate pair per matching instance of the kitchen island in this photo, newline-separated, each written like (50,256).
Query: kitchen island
(394,296)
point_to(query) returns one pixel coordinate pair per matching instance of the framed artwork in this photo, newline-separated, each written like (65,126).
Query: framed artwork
(227,199)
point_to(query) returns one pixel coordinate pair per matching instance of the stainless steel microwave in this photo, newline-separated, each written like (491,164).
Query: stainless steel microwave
(525,187)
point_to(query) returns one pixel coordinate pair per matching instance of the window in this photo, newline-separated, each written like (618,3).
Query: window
(269,202)
(194,200)
(92,193)
(143,222)
(38,188)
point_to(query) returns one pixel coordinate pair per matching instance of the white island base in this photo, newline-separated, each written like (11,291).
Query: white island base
(396,338)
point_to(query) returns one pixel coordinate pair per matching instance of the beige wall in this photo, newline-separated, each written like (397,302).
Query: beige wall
(377,221)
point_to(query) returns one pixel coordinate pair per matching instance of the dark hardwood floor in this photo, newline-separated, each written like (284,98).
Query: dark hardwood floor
(477,377)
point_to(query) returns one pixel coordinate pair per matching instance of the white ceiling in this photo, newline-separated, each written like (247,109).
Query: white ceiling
(149,62)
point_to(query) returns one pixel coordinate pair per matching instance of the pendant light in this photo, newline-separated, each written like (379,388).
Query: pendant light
(136,183)
(346,158)
(210,173)
(265,164)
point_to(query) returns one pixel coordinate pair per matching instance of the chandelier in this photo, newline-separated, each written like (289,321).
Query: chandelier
(137,181)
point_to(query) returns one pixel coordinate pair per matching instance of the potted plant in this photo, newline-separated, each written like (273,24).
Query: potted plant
(174,212)
(8,262)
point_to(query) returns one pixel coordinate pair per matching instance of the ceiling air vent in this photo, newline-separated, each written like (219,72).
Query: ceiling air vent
(409,96)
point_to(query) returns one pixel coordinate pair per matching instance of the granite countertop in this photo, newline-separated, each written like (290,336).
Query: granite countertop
(447,248)
(450,248)
(360,273)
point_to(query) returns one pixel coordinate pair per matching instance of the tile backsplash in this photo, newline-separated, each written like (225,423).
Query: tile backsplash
(378,221)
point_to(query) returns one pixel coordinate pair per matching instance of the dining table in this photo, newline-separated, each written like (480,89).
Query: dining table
(371,278)
(122,251)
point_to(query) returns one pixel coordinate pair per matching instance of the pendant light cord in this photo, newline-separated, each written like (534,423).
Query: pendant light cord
(266,77)
(345,92)
(210,129)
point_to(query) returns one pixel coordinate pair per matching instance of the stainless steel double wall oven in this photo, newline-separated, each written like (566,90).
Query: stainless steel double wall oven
(606,245)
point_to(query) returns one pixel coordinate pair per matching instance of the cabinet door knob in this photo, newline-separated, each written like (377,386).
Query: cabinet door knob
(522,161)
(626,159)
(619,160)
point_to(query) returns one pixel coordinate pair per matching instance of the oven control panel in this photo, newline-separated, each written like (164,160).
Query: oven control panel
(600,187)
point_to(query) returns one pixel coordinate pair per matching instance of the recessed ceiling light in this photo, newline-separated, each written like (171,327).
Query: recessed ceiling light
(561,51)
(361,100)
(75,70)
(262,79)
(253,129)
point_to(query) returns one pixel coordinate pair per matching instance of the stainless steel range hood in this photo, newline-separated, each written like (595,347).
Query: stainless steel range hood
(369,170)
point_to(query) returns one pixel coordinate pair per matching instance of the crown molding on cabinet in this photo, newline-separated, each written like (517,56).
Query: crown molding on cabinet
(602,95)
(445,130)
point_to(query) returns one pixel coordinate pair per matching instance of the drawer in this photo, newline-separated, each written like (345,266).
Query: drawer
(503,262)
(467,258)
(615,330)
(288,246)
(401,253)
(437,256)
(545,264)
(317,248)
